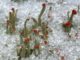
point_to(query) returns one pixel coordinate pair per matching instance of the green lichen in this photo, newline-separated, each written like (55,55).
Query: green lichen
(11,22)
(27,32)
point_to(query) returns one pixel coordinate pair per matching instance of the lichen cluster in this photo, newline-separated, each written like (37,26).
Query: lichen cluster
(30,38)
(11,22)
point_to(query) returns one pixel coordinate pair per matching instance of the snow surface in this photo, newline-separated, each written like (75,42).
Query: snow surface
(69,47)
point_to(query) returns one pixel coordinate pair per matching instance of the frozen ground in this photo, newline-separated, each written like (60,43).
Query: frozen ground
(69,47)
